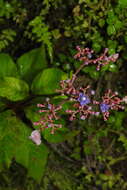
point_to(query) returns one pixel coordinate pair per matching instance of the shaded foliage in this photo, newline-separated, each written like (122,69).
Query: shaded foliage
(37,44)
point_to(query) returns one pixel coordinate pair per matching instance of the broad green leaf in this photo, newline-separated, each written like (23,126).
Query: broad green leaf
(15,143)
(31,63)
(13,88)
(11,125)
(7,147)
(57,137)
(60,135)
(37,161)
(48,81)
(12,133)
(7,66)
(32,113)
(22,154)
(122,3)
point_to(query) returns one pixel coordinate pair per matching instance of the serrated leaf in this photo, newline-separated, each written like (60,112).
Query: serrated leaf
(31,63)
(7,66)
(48,81)
(13,89)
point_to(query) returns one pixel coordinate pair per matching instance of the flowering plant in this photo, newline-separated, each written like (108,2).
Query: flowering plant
(82,98)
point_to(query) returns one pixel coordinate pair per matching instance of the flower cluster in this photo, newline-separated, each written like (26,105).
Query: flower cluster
(86,55)
(83,102)
(110,101)
(82,98)
(49,117)
(67,87)
(82,105)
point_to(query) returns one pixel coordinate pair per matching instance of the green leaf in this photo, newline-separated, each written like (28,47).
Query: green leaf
(37,161)
(96,47)
(94,74)
(60,135)
(31,63)
(47,81)
(92,71)
(22,154)
(15,143)
(111,51)
(12,133)
(113,67)
(101,22)
(111,30)
(32,113)
(122,3)
(118,24)
(7,66)
(7,147)
(11,125)
(111,17)
(112,44)
(13,89)
(57,137)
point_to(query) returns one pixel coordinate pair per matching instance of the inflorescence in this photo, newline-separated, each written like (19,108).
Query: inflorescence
(49,117)
(86,55)
(82,99)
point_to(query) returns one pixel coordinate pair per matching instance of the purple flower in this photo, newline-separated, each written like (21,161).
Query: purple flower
(83,99)
(104,107)
(49,106)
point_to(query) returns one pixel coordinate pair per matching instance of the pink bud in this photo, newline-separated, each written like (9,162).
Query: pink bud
(97,113)
(125,99)
(115,56)
(92,92)
(82,117)
(35,137)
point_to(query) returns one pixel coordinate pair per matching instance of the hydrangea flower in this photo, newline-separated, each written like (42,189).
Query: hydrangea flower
(104,107)
(83,99)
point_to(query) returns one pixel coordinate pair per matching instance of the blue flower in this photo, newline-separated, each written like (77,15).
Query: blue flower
(83,99)
(104,107)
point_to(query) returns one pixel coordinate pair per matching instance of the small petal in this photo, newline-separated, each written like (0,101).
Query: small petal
(104,107)
(82,117)
(92,92)
(35,137)
(125,99)
(97,113)
(83,99)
